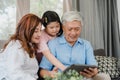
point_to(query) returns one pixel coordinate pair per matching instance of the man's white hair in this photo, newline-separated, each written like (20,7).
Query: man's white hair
(72,16)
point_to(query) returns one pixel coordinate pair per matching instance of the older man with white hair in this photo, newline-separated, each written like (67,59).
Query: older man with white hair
(70,49)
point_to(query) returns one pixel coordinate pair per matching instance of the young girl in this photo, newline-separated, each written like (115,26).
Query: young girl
(53,28)
(17,60)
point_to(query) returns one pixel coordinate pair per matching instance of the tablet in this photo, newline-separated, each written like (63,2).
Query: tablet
(79,67)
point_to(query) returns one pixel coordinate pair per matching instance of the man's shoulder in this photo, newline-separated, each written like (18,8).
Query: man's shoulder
(56,39)
(83,41)
(53,41)
(86,43)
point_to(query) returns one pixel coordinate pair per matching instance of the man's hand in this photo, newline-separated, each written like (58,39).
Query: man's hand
(91,72)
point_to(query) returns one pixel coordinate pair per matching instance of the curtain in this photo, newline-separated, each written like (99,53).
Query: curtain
(23,7)
(67,5)
(70,5)
(118,7)
(108,16)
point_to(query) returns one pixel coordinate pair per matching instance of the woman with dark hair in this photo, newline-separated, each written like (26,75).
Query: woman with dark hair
(52,28)
(18,56)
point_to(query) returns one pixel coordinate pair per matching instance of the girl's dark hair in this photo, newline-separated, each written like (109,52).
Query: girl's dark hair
(51,16)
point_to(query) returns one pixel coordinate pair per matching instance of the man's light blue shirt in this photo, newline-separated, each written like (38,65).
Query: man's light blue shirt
(80,53)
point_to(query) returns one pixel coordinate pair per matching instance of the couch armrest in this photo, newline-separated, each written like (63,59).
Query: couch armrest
(99,52)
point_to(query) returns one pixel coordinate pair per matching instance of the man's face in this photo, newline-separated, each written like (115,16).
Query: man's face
(72,31)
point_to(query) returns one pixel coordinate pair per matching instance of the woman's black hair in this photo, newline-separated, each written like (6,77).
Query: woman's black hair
(51,16)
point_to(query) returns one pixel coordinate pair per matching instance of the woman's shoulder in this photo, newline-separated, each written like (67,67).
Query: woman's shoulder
(13,44)
(11,49)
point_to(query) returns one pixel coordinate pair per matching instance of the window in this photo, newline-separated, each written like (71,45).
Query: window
(7,18)
(8,13)
(40,6)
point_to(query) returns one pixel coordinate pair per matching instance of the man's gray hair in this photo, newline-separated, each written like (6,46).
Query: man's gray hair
(72,16)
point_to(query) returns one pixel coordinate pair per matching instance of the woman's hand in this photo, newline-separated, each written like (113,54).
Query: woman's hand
(91,72)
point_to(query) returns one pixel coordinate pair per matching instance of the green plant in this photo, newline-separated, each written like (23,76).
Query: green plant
(69,75)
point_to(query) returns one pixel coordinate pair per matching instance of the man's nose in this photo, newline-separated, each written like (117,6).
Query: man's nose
(73,32)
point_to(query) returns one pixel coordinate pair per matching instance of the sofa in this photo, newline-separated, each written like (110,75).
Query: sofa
(110,65)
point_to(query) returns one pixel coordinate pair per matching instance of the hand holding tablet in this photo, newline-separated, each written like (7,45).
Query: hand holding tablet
(79,67)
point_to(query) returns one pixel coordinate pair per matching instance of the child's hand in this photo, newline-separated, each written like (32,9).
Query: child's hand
(53,72)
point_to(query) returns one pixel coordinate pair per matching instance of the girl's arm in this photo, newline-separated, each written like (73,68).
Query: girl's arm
(53,60)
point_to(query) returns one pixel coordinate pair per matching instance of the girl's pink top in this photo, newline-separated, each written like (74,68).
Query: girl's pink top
(44,38)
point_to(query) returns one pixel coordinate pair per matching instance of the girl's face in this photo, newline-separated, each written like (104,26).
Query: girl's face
(52,28)
(36,35)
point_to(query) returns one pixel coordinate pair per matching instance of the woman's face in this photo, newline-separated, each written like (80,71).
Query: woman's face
(52,28)
(36,34)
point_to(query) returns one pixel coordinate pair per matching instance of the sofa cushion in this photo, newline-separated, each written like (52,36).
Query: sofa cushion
(108,65)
